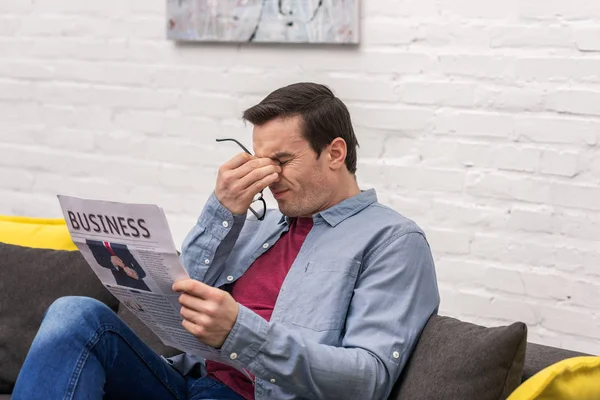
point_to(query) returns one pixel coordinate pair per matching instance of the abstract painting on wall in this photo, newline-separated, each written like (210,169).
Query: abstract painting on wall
(275,21)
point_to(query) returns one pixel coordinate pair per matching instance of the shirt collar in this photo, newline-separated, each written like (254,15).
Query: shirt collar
(343,210)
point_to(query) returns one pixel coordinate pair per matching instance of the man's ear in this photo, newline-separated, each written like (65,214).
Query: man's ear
(337,153)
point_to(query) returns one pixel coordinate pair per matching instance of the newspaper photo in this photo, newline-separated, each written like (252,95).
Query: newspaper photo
(131,250)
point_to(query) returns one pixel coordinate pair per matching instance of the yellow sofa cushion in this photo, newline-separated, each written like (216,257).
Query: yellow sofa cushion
(40,233)
(576,378)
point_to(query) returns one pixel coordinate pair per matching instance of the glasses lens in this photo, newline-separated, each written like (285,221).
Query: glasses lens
(258,208)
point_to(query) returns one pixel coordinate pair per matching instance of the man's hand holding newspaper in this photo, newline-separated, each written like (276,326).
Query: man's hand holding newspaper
(208,313)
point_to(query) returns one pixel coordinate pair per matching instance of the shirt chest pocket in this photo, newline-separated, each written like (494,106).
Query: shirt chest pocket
(320,302)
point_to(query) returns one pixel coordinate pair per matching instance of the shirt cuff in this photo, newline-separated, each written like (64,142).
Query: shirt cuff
(246,337)
(218,220)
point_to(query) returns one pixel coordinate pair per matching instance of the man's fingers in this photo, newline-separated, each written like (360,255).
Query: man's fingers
(238,181)
(184,285)
(191,315)
(192,328)
(237,161)
(193,303)
(251,165)
(257,175)
(257,186)
(194,288)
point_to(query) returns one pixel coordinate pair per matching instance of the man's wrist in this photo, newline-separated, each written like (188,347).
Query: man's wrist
(217,219)
(246,337)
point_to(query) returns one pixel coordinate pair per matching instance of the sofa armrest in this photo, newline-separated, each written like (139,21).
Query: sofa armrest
(538,357)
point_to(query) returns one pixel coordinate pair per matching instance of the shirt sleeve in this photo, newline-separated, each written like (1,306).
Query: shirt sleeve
(394,297)
(207,245)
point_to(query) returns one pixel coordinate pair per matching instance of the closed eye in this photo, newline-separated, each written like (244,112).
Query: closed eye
(282,157)
(280,161)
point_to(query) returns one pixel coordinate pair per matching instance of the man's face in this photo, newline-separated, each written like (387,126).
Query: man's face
(302,189)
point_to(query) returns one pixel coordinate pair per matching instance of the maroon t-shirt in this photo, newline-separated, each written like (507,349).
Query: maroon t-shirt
(258,289)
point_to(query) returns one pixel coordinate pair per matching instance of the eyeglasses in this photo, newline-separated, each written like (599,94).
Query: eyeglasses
(260,205)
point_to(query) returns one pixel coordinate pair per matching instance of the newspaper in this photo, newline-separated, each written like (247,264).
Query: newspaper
(131,250)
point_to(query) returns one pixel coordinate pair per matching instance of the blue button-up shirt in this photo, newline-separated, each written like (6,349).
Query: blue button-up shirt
(350,309)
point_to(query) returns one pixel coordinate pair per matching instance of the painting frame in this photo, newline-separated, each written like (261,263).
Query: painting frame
(264,21)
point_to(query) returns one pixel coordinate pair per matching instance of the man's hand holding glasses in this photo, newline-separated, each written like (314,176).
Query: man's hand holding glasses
(242,179)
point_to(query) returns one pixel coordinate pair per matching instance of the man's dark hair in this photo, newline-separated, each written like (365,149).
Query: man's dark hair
(324,116)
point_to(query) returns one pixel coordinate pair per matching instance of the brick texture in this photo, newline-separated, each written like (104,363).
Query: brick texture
(479,120)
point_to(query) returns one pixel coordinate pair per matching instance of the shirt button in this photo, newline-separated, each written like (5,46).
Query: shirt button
(233,356)
(230,279)
(225,224)
(266,245)
(272,380)
(207,261)
(396,354)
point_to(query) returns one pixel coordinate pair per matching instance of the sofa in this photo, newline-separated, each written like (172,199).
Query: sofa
(453,359)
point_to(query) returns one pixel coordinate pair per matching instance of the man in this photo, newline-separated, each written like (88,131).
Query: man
(119,260)
(321,299)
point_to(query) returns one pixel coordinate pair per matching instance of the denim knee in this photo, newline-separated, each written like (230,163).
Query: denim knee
(75,312)
(79,305)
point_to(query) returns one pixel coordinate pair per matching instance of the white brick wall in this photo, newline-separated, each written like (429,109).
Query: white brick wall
(478,119)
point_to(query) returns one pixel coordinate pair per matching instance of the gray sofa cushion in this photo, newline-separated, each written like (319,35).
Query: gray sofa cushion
(31,280)
(459,360)
(539,357)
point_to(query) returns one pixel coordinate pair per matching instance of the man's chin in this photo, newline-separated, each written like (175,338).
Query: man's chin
(286,210)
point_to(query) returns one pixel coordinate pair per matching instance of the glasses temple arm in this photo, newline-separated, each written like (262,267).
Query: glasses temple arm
(238,143)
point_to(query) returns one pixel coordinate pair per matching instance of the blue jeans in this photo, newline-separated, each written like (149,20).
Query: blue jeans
(83,350)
